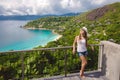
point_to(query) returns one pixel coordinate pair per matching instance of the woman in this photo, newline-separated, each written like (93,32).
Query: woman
(81,41)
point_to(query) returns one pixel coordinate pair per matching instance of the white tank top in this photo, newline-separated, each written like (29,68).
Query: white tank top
(81,45)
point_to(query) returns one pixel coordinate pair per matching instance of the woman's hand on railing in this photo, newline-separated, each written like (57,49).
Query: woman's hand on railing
(73,51)
(92,47)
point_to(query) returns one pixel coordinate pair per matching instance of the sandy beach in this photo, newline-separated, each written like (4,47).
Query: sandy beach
(58,37)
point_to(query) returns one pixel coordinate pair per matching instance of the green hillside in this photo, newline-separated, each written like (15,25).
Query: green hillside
(102,23)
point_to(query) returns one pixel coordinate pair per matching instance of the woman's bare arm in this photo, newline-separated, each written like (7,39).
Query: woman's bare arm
(74,44)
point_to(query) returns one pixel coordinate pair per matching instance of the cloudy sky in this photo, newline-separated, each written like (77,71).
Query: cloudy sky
(39,7)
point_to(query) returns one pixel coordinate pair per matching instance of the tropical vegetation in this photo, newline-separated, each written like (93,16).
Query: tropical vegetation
(102,23)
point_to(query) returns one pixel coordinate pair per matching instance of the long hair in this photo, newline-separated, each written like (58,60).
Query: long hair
(84,35)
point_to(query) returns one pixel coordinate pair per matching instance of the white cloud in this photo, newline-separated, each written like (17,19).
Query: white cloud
(38,7)
(97,2)
(71,5)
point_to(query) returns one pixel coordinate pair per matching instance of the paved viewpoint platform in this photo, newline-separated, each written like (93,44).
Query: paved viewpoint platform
(93,75)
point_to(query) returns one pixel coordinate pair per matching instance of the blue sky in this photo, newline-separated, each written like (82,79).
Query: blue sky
(40,7)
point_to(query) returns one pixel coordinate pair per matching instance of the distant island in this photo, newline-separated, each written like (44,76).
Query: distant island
(33,17)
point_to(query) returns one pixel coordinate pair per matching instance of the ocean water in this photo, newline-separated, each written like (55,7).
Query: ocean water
(12,37)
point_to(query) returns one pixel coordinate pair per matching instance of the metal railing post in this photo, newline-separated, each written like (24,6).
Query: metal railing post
(22,65)
(65,63)
(100,57)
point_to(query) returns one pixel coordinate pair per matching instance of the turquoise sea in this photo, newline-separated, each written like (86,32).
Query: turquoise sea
(13,37)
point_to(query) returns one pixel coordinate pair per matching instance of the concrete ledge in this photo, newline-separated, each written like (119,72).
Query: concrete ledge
(110,60)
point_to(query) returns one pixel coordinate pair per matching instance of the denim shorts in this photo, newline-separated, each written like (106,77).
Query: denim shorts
(85,53)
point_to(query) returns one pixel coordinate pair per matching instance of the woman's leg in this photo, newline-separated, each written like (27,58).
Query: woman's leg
(83,64)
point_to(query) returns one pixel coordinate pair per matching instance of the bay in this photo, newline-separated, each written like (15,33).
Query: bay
(13,37)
